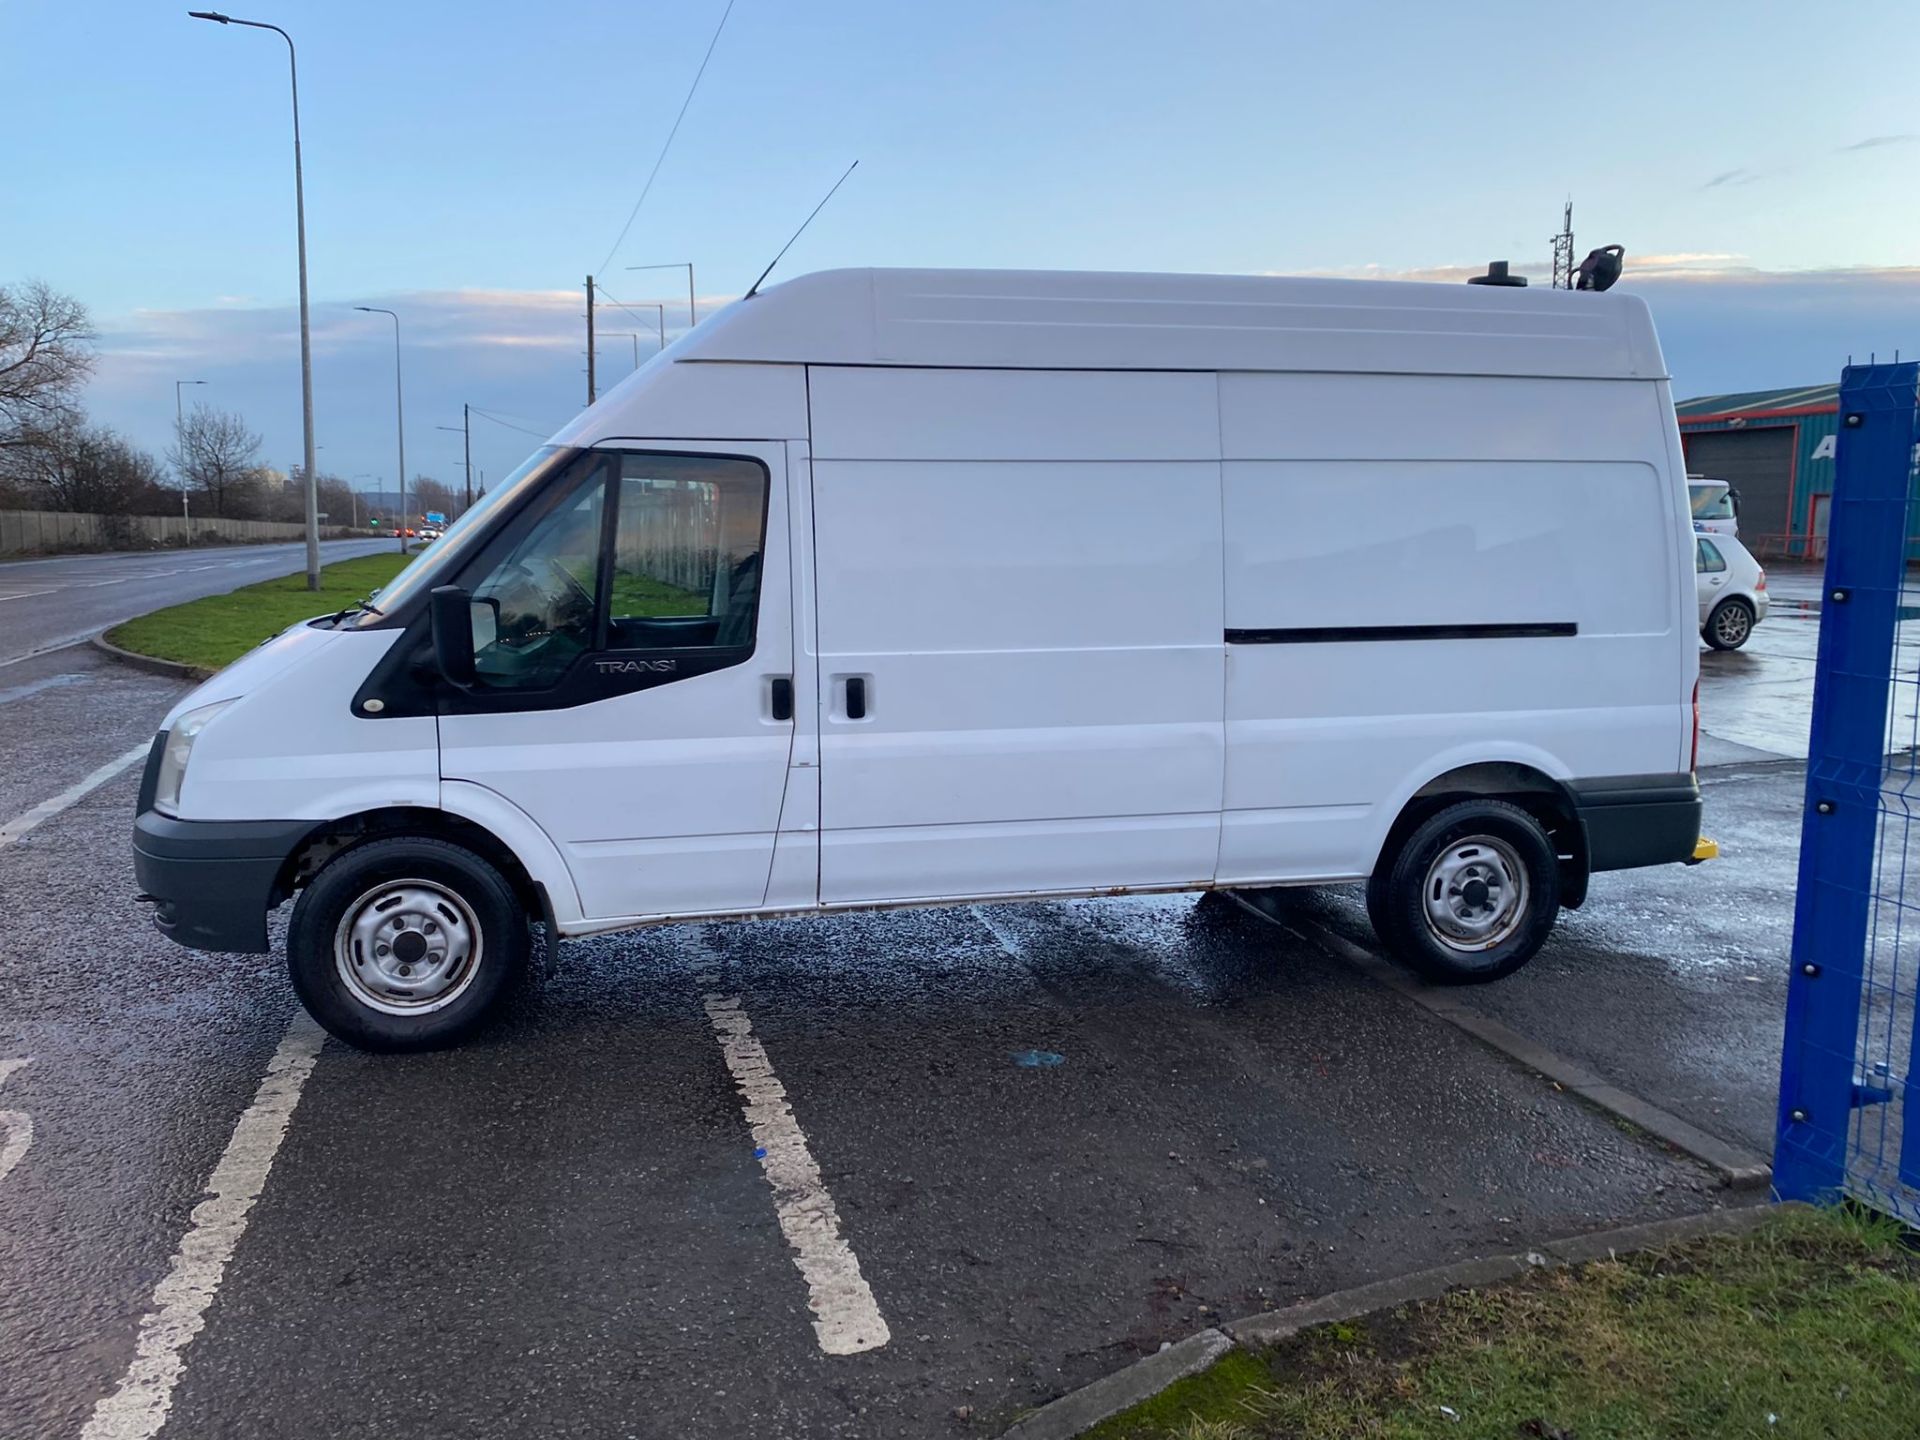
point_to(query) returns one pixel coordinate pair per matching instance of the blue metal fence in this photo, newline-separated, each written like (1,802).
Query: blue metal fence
(1850,1070)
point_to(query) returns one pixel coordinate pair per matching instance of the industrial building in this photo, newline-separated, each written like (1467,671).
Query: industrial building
(1775,447)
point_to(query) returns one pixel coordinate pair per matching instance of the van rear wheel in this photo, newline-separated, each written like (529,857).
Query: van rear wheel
(1469,895)
(406,944)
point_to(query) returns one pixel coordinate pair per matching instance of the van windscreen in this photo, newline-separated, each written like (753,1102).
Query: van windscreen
(1711,502)
(444,556)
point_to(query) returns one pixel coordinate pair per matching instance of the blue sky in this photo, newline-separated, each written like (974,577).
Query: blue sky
(467,165)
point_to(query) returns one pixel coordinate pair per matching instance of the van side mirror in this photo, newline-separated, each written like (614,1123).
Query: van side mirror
(451,612)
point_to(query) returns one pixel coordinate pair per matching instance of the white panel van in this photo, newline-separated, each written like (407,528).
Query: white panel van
(914,587)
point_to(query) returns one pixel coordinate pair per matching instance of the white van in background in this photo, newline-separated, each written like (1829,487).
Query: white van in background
(1715,505)
(913,587)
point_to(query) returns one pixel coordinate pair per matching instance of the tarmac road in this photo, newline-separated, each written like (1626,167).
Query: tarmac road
(1054,1136)
(46,603)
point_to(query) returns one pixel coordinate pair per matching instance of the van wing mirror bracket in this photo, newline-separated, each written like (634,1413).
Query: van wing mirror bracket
(451,611)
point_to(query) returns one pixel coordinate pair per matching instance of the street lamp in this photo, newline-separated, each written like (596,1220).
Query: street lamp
(399,418)
(465,428)
(179,439)
(693,317)
(306,343)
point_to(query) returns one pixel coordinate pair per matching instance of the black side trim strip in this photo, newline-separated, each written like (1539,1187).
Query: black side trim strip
(1331,634)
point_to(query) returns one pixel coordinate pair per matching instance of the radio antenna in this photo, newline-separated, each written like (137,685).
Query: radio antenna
(754,288)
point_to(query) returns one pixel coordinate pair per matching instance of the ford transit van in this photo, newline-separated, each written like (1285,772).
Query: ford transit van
(886,588)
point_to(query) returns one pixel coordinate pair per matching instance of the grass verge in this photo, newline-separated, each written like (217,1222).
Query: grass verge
(219,629)
(1809,1325)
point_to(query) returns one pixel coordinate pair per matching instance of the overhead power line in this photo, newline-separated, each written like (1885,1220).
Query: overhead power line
(668,145)
(601,291)
(489,415)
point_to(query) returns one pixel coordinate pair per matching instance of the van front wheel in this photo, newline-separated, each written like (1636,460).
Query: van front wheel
(406,944)
(1470,895)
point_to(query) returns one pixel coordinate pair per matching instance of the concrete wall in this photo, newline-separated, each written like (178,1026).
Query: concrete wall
(28,532)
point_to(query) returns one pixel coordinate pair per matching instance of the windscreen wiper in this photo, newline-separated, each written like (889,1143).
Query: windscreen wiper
(366,607)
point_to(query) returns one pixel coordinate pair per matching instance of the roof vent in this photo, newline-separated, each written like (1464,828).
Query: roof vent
(1497,275)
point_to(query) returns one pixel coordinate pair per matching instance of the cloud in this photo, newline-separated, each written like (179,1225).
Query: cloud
(513,352)
(1688,262)
(1693,262)
(1731,177)
(1424,274)
(1874,142)
(1727,324)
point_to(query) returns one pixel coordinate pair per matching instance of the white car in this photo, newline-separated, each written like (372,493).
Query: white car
(1733,590)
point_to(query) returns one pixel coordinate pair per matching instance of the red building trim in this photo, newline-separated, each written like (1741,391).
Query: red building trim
(1725,415)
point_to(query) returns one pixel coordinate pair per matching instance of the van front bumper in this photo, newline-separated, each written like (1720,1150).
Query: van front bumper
(213,881)
(1634,820)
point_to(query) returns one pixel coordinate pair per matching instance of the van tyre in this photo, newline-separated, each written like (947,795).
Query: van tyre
(1729,625)
(406,944)
(1469,895)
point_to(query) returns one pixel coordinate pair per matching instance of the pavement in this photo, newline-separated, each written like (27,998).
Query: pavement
(1055,1136)
(49,602)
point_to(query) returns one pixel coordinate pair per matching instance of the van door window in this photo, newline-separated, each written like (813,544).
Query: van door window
(671,563)
(686,555)
(544,594)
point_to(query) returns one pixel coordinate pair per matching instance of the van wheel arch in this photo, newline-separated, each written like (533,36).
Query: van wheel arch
(1534,791)
(333,838)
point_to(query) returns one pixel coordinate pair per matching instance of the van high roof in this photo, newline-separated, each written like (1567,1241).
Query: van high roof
(1063,319)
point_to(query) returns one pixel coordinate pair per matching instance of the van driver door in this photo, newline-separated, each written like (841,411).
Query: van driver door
(634,649)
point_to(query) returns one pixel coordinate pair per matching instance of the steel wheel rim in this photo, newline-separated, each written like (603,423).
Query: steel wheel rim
(1732,625)
(1475,894)
(407,947)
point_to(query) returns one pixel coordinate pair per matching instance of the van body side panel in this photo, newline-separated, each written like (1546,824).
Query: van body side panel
(715,400)
(1028,590)
(1686,655)
(291,748)
(1427,574)
(794,883)
(520,833)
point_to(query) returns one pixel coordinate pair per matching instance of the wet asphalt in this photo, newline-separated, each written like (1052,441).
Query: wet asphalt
(48,601)
(561,1229)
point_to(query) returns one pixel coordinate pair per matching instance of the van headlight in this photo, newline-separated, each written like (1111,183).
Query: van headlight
(173,760)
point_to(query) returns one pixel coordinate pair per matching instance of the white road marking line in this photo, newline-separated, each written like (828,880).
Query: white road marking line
(846,1318)
(17,1126)
(51,647)
(138,1408)
(28,594)
(47,809)
(34,687)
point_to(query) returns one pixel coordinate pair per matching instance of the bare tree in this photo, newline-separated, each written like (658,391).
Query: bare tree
(85,468)
(216,454)
(427,494)
(337,501)
(45,356)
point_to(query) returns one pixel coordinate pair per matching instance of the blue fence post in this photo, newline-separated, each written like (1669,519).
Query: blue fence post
(1860,609)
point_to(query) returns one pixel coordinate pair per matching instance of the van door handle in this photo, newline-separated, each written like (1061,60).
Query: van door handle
(780,697)
(857,698)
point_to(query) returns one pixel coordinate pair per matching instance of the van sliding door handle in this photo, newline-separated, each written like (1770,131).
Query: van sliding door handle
(780,697)
(856,698)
